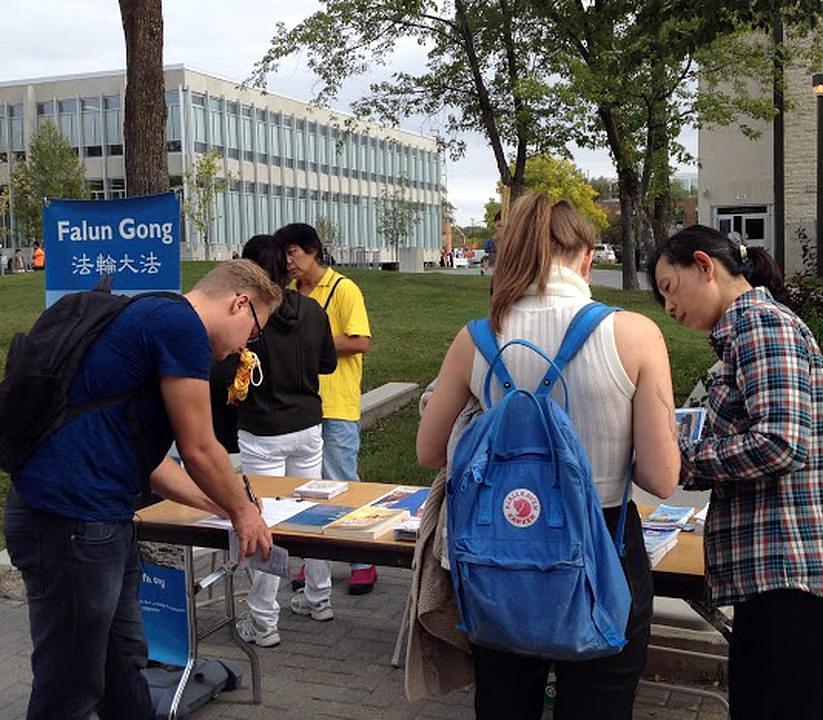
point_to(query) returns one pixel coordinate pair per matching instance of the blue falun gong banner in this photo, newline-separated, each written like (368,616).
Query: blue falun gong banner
(136,241)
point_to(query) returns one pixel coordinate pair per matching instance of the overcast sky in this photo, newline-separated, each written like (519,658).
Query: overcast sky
(61,37)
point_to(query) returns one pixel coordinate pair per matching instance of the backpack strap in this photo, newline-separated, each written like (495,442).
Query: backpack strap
(582,325)
(486,342)
(331,294)
(580,328)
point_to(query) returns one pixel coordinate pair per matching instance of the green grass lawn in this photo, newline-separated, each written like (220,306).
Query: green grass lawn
(413,318)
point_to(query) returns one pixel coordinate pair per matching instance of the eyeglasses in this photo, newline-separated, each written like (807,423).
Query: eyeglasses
(259,333)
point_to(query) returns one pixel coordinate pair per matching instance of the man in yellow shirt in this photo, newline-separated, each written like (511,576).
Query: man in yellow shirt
(343,302)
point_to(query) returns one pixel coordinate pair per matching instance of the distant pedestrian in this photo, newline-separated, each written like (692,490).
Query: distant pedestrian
(17,263)
(761,455)
(38,257)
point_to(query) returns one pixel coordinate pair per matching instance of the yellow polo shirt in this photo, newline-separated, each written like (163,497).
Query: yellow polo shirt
(340,391)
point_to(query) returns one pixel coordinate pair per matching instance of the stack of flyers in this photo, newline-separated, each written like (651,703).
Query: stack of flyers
(408,529)
(658,542)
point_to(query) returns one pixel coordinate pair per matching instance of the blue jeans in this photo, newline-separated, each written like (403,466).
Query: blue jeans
(82,581)
(341,445)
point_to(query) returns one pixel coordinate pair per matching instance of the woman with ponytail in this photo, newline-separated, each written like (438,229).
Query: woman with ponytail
(622,406)
(761,455)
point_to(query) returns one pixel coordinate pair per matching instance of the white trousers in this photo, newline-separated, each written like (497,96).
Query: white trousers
(298,454)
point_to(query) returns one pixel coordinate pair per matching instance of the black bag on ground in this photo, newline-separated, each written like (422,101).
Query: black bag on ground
(41,367)
(209,677)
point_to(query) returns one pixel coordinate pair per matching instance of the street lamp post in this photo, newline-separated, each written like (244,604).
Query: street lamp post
(817,86)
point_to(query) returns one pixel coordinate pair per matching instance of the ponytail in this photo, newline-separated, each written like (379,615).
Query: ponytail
(760,268)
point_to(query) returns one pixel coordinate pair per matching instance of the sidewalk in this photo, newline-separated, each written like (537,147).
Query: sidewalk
(322,671)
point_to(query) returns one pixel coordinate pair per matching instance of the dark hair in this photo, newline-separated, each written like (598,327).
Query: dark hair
(753,263)
(269,255)
(304,236)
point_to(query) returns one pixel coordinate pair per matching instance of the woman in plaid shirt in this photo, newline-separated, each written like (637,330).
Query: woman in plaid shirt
(760,455)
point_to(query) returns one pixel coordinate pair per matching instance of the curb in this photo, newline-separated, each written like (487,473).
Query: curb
(11,579)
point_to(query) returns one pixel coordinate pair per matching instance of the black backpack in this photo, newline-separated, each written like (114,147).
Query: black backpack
(42,365)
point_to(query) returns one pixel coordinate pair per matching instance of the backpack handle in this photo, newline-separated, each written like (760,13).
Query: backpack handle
(581,326)
(486,342)
(553,368)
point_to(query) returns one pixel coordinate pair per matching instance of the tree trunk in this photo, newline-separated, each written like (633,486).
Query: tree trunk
(629,189)
(144,126)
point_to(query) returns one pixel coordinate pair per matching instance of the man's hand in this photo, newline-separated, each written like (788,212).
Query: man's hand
(252,532)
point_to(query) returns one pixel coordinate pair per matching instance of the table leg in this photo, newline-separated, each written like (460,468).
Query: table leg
(714,617)
(254,661)
(401,634)
(191,621)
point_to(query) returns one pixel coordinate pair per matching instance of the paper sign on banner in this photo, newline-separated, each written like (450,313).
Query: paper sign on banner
(163,607)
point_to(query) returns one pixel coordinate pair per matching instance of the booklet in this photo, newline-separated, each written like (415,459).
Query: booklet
(665,516)
(315,518)
(659,541)
(325,489)
(366,523)
(690,422)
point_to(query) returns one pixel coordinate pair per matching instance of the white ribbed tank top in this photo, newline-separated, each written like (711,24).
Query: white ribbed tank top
(600,391)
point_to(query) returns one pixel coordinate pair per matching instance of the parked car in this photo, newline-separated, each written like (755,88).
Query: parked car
(604,253)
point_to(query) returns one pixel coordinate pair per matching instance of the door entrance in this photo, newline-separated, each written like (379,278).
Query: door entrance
(751,223)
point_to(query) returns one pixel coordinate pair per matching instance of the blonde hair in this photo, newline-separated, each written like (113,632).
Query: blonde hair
(537,228)
(235,276)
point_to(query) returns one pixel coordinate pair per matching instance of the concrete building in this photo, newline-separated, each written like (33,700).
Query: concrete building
(287,161)
(736,179)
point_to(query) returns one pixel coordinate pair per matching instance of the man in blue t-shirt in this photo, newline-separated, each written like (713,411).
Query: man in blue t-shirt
(68,517)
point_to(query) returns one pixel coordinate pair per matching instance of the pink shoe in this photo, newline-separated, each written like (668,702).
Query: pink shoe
(362,580)
(299,580)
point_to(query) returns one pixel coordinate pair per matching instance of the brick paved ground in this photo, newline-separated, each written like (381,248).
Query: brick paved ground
(322,671)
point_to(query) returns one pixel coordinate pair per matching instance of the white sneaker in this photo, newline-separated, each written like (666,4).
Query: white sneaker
(319,611)
(251,632)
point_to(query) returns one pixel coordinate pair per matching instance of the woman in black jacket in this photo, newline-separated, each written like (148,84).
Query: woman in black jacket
(280,427)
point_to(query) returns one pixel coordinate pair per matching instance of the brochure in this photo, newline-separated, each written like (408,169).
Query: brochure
(690,422)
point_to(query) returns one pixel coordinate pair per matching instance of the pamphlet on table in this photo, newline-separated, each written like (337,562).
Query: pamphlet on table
(275,511)
(323,489)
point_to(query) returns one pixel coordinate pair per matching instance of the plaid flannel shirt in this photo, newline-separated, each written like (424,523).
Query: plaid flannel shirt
(761,454)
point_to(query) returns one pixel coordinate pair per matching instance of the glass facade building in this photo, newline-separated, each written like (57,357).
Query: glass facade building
(285,160)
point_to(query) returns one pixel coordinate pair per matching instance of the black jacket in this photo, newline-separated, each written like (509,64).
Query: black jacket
(296,347)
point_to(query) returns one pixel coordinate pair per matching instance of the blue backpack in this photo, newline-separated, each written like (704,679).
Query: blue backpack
(534,568)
